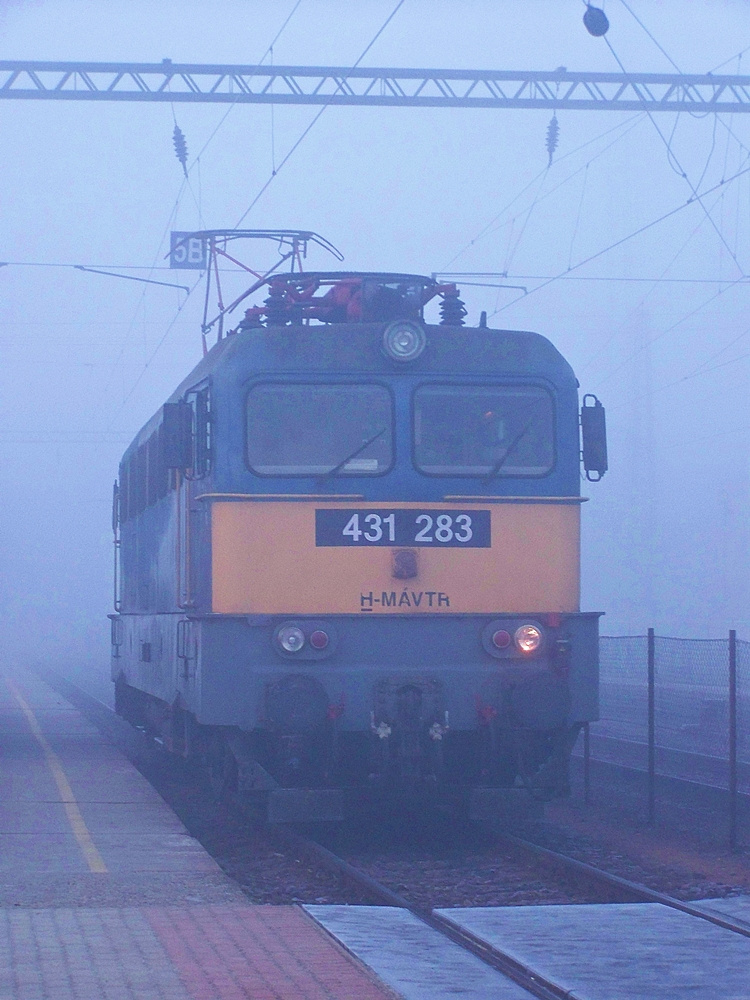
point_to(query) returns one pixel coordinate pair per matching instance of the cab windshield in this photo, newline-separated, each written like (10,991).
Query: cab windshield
(307,429)
(487,430)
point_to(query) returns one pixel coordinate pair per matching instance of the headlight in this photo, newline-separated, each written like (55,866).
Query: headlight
(291,638)
(528,638)
(404,341)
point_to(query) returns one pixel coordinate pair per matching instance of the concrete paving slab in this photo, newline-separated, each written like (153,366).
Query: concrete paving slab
(54,722)
(33,889)
(130,818)
(37,817)
(412,958)
(618,951)
(114,812)
(43,816)
(50,852)
(163,852)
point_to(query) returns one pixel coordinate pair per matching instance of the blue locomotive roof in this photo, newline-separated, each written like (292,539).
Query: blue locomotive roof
(356,348)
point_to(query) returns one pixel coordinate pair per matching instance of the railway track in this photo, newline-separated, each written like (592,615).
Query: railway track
(531,981)
(501,961)
(605,883)
(636,892)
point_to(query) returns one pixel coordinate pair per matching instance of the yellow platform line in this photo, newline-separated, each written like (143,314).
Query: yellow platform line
(80,831)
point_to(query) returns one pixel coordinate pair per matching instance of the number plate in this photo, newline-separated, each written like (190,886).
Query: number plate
(460,529)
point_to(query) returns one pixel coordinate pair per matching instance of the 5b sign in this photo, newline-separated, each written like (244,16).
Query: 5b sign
(186,250)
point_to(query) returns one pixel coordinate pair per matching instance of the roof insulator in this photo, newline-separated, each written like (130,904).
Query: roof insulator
(452,309)
(595,21)
(553,137)
(180,147)
(277,312)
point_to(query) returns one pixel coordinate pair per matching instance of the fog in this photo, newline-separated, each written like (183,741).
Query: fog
(86,359)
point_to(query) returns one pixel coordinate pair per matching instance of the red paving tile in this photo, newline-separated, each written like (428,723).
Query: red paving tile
(85,942)
(261,952)
(221,952)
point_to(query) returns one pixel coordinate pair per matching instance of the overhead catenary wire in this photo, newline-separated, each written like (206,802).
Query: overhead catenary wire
(710,153)
(624,239)
(717,118)
(673,326)
(153,354)
(685,378)
(578,216)
(671,157)
(726,62)
(513,247)
(172,214)
(663,51)
(726,347)
(670,152)
(615,278)
(605,346)
(317,117)
(141,300)
(548,194)
(639,116)
(260,62)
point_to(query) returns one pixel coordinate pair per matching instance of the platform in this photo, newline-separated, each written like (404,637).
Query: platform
(105,896)
(628,951)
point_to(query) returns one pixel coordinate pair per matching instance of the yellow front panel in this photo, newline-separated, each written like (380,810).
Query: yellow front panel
(265,561)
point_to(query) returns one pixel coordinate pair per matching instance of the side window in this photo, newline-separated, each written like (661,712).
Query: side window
(153,461)
(144,475)
(144,478)
(202,433)
(200,401)
(139,472)
(164,474)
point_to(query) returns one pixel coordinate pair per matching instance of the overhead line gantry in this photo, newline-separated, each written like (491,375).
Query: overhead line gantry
(554,90)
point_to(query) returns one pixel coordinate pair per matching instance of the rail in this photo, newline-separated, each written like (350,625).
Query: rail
(499,960)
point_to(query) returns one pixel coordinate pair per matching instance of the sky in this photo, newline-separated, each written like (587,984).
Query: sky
(658,328)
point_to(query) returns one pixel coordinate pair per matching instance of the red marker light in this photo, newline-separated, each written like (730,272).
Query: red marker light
(501,639)
(319,639)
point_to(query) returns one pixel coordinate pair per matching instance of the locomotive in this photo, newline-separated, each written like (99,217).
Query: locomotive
(347,554)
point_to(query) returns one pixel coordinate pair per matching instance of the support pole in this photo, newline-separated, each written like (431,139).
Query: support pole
(732,739)
(651,727)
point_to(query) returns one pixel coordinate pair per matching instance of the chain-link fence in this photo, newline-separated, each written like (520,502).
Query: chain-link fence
(677,708)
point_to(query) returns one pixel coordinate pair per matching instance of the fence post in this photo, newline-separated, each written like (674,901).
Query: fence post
(732,738)
(651,726)
(586,764)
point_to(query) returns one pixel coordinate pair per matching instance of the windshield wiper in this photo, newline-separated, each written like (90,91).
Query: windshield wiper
(360,448)
(508,451)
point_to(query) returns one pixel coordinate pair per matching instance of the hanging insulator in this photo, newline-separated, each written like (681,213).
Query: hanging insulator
(452,309)
(595,21)
(180,147)
(277,313)
(553,137)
